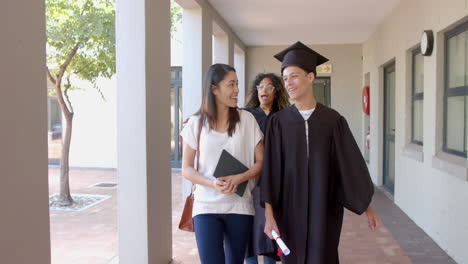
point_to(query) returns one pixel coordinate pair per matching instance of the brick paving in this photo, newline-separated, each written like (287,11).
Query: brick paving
(90,236)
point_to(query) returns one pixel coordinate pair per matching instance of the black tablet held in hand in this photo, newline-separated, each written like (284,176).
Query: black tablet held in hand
(229,165)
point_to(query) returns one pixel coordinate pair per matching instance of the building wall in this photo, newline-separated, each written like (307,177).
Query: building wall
(177,45)
(431,195)
(345,77)
(94,135)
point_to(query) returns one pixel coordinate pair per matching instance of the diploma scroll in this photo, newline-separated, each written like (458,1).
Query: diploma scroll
(280,243)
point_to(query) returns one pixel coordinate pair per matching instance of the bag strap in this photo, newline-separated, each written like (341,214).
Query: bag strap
(200,125)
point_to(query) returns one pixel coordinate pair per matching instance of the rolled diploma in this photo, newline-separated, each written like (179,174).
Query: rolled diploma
(280,243)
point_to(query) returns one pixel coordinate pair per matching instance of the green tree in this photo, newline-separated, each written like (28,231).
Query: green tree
(81,43)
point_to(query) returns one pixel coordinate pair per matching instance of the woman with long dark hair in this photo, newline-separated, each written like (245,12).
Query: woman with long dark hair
(267,96)
(222,218)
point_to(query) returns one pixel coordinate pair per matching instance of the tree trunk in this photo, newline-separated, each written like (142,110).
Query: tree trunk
(65,198)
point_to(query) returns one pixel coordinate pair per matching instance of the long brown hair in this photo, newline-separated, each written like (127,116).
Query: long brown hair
(281,99)
(208,111)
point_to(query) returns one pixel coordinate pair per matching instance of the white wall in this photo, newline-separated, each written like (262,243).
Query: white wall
(433,198)
(177,46)
(346,84)
(94,142)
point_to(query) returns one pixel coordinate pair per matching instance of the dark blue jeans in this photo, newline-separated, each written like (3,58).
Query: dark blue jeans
(222,238)
(254,260)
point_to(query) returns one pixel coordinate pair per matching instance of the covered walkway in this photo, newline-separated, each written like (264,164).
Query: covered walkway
(90,236)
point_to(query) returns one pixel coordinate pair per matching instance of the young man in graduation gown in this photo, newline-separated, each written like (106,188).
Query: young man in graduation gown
(312,168)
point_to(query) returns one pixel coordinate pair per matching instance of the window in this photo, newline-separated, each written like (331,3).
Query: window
(456,91)
(417,115)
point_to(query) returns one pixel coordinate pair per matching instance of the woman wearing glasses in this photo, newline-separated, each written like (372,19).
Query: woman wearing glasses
(267,97)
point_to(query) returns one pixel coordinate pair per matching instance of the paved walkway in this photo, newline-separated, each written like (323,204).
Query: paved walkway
(90,236)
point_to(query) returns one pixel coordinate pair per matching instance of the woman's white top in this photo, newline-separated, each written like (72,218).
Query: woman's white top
(241,145)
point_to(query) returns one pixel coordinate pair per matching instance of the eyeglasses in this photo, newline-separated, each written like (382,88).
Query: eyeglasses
(268,88)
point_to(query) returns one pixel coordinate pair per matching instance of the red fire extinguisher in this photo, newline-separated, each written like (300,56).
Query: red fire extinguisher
(366,100)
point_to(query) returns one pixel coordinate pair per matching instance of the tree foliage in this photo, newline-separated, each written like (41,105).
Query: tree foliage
(87,26)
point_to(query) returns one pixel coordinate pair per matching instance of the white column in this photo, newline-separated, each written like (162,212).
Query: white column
(197,31)
(239,65)
(220,45)
(198,57)
(24,228)
(143,134)
(231,51)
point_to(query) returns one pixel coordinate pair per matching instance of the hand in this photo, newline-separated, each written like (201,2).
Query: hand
(372,218)
(232,179)
(224,186)
(232,182)
(270,224)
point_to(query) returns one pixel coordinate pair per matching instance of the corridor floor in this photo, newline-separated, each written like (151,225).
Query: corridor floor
(90,236)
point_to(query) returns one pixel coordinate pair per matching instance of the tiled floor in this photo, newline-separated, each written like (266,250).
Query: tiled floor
(90,236)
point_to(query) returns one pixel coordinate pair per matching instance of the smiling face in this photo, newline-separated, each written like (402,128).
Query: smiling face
(266,92)
(298,83)
(227,91)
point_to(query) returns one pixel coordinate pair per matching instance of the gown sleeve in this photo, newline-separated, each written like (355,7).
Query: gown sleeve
(355,187)
(272,171)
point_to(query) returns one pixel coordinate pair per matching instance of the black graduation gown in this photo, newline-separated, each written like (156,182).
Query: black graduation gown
(308,193)
(260,116)
(259,243)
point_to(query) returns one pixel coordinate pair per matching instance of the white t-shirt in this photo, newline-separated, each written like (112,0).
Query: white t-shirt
(241,145)
(306,114)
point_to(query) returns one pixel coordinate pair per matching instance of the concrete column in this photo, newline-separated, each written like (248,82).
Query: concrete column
(220,45)
(24,221)
(197,30)
(143,131)
(198,57)
(231,51)
(239,65)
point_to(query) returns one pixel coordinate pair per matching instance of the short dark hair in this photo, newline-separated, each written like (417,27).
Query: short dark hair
(280,100)
(302,68)
(208,111)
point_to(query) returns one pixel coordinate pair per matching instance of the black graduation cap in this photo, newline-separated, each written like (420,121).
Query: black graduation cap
(302,56)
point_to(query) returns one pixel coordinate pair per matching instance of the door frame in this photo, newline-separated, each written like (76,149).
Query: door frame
(386,68)
(176,84)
